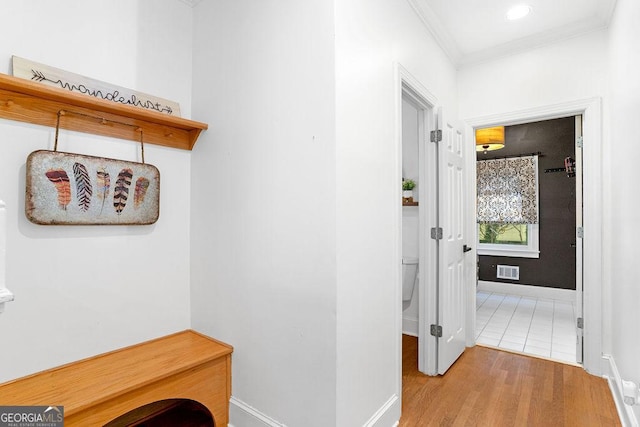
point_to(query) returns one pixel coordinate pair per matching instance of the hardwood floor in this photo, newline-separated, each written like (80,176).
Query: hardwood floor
(487,387)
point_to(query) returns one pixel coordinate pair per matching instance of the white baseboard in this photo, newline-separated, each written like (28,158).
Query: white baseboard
(410,326)
(388,415)
(627,416)
(243,415)
(527,290)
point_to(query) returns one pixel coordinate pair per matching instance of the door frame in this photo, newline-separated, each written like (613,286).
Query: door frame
(593,292)
(579,192)
(410,86)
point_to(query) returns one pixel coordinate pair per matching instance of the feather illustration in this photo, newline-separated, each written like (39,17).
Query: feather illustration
(121,190)
(84,190)
(103,182)
(142,184)
(61,180)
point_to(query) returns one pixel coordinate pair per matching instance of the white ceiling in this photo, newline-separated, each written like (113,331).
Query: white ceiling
(475,30)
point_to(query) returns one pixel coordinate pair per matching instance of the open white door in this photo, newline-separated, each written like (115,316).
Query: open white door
(579,241)
(450,234)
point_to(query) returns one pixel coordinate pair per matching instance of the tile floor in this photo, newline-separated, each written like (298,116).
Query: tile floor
(536,326)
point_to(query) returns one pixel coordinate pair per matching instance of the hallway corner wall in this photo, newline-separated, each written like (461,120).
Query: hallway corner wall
(621,191)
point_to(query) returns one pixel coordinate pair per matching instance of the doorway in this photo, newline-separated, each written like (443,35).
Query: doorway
(528,262)
(590,275)
(442,233)
(418,164)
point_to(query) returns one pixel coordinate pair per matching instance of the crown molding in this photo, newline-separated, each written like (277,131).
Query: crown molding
(439,33)
(191,3)
(534,41)
(446,42)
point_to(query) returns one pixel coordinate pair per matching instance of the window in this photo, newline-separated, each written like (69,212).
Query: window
(508,207)
(504,234)
(515,240)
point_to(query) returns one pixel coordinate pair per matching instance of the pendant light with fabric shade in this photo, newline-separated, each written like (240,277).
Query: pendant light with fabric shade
(489,139)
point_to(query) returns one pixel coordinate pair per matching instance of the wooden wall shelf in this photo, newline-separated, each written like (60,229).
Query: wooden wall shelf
(95,391)
(31,102)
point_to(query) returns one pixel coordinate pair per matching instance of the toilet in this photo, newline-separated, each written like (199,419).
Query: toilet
(409,276)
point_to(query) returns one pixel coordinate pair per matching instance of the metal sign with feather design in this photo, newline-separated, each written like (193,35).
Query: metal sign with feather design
(75,189)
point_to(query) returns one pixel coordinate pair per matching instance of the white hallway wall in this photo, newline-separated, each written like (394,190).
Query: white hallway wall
(263,202)
(624,60)
(371,36)
(85,290)
(295,196)
(560,72)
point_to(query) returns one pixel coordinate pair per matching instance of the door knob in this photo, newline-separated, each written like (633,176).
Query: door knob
(466,249)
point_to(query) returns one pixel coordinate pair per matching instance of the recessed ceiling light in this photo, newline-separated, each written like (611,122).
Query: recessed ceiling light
(517,12)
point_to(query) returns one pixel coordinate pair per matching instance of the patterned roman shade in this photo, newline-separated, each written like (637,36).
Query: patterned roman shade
(508,190)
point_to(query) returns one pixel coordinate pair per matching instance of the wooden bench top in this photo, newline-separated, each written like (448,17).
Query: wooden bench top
(85,383)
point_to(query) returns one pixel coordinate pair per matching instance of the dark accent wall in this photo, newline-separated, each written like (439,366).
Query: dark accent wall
(556,266)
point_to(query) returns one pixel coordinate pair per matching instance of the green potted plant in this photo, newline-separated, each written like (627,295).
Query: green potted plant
(407,190)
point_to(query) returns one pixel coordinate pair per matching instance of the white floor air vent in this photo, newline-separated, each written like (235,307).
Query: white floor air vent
(511,272)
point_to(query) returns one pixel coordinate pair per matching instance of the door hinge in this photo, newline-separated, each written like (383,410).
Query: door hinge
(580,323)
(580,141)
(436,331)
(436,135)
(580,232)
(436,233)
